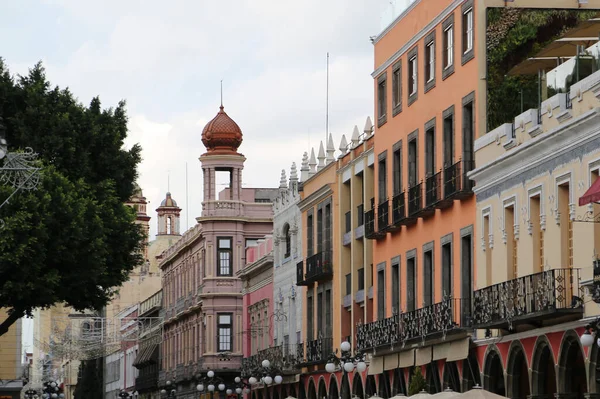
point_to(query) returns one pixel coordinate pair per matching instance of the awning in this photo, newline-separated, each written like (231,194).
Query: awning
(147,354)
(458,350)
(390,362)
(423,356)
(376,366)
(591,195)
(406,359)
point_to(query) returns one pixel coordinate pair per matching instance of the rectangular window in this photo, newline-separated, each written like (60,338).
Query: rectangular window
(310,316)
(511,242)
(412,76)
(447,270)
(328,310)
(488,250)
(320,230)
(448,47)
(537,233)
(310,235)
(411,282)
(566,225)
(348,284)
(412,163)
(429,62)
(468,31)
(327,228)
(468,133)
(381,100)
(224,254)
(430,150)
(381,294)
(361,278)
(396,288)
(397,88)
(448,136)
(428,293)
(320,312)
(397,168)
(348,222)
(382,177)
(466,266)
(225,328)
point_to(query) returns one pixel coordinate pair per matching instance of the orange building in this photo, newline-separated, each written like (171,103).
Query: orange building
(422,215)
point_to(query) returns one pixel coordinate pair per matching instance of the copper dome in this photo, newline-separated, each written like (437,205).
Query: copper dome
(222,135)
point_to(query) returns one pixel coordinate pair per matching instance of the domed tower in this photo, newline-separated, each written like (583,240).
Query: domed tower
(222,138)
(138,202)
(168,217)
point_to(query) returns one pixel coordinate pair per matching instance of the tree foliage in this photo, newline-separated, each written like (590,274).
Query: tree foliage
(73,239)
(90,381)
(513,35)
(417,382)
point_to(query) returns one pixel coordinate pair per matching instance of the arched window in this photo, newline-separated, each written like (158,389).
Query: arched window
(288,240)
(169,225)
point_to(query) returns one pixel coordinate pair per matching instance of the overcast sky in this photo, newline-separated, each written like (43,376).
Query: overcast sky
(166,59)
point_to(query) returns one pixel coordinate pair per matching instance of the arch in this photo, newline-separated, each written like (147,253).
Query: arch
(322,389)
(357,386)
(451,379)
(345,391)
(571,366)
(493,372)
(543,374)
(312,391)
(470,372)
(288,240)
(399,386)
(432,377)
(384,385)
(370,386)
(517,372)
(333,388)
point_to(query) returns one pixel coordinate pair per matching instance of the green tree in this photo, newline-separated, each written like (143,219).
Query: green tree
(417,382)
(73,240)
(89,383)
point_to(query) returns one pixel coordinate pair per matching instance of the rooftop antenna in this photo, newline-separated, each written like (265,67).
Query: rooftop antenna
(327,103)
(187,208)
(169,180)
(221,93)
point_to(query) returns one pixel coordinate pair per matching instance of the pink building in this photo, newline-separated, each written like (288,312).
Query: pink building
(257,280)
(202,292)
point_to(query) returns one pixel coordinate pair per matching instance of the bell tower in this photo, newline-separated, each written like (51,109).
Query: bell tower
(168,217)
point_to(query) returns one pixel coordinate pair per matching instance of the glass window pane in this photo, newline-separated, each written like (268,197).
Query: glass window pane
(224,243)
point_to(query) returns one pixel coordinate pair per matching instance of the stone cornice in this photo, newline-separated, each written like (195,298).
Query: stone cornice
(323,192)
(359,158)
(551,144)
(255,268)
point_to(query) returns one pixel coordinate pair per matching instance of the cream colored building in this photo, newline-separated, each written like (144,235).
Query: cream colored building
(11,370)
(537,244)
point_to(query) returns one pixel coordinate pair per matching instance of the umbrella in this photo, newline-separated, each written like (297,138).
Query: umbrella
(446,394)
(478,393)
(421,395)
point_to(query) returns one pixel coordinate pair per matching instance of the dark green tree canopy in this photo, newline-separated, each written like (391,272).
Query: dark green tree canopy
(73,240)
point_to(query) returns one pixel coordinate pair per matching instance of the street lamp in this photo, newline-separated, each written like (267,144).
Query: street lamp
(170,391)
(211,383)
(31,394)
(242,386)
(346,361)
(51,390)
(125,394)
(267,374)
(591,331)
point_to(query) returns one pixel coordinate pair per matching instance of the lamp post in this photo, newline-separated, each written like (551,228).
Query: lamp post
(211,383)
(51,390)
(125,394)
(31,394)
(346,361)
(241,386)
(170,391)
(591,332)
(267,374)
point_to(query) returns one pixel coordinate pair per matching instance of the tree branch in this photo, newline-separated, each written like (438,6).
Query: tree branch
(10,320)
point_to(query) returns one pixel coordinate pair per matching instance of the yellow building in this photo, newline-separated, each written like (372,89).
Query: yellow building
(11,358)
(538,230)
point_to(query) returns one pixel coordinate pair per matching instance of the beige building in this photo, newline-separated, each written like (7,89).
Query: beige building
(538,233)
(11,370)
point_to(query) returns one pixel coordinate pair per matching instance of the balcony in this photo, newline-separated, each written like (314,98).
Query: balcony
(316,351)
(433,193)
(281,356)
(318,268)
(383,216)
(415,200)
(537,299)
(370,224)
(456,183)
(428,323)
(151,304)
(148,378)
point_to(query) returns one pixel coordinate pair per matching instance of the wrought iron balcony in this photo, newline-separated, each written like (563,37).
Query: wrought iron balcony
(383,216)
(398,212)
(148,378)
(415,200)
(316,351)
(370,224)
(456,183)
(319,267)
(433,190)
(430,322)
(540,299)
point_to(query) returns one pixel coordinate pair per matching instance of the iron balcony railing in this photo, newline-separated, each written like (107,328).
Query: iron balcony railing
(415,199)
(398,208)
(148,378)
(280,356)
(527,298)
(316,351)
(318,268)
(433,189)
(456,181)
(383,215)
(370,223)
(436,320)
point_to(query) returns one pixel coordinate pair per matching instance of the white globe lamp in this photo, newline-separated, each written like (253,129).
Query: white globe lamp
(238,391)
(200,387)
(252,380)
(330,367)
(229,392)
(345,346)
(278,379)
(221,387)
(361,367)
(268,380)
(238,380)
(266,364)
(348,367)
(211,387)
(210,374)
(587,339)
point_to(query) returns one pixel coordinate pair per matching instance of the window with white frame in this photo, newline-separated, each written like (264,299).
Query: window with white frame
(224,256)
(448,47)
(412,84)
(430,60)
(467,30)
(225,332)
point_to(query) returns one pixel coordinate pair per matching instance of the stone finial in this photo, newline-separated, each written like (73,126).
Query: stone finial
(330,149)
(321,157)
(368,126)
(304,169)
(343,145)
(283,180)
(293,172)
(355,137)
(312,163)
